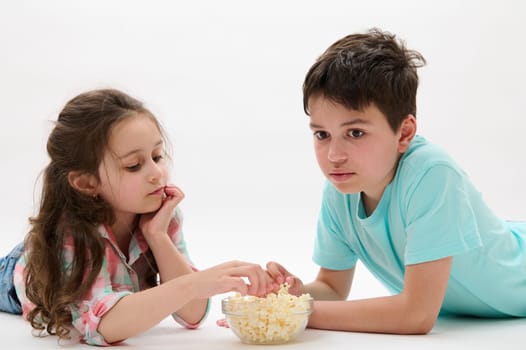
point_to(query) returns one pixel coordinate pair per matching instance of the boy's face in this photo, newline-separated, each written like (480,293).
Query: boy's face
(134,172)
(356,150)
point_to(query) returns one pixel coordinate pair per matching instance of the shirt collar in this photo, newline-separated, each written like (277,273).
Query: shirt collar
(138,244)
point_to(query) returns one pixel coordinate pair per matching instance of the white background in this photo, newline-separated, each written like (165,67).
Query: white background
(224,78)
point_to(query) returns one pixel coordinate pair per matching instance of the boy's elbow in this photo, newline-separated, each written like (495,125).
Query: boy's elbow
(421,324)
(423,328)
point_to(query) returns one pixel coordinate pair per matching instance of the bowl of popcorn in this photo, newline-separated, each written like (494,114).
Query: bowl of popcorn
(277,318)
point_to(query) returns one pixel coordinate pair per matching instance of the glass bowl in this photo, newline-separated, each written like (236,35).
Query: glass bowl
(270,320)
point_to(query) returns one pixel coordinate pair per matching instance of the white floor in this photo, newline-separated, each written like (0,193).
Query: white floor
(448,334)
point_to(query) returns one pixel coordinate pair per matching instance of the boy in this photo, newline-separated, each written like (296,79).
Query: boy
(398,203)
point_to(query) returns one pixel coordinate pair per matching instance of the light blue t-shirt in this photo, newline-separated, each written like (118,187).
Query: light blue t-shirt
(429,211)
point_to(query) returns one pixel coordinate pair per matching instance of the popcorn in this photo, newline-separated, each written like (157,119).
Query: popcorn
(274,319)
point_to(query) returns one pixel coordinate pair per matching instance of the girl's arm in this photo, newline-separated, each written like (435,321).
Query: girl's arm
(413,311)
(170,261)
(138,312)
(182,290)
(172,264)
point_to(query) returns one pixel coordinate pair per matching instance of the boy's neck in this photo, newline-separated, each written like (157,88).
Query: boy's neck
(369,203)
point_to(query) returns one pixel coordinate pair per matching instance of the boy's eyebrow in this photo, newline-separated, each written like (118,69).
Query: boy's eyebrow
(160,142)
(351,122)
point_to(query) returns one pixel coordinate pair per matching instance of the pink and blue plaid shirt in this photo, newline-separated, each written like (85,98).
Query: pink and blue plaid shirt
(118,278)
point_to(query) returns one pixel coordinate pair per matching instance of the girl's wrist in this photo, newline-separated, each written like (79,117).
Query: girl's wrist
(158,239)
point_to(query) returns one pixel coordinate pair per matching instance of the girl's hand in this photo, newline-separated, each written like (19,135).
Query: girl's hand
(280,275)
(232,276)
(156,223)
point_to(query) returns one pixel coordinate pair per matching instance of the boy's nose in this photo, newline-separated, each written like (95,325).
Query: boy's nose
(337,152)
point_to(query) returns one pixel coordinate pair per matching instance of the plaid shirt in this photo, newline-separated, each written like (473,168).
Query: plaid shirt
(118,277)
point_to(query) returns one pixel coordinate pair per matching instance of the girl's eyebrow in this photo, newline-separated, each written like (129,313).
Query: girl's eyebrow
(351,122)
(137,150)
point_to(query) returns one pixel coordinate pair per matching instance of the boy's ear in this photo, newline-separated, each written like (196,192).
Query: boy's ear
(407,133)
(84,183)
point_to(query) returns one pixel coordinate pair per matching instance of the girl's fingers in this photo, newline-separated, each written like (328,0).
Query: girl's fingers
(276,272)
(173,191)
(249,272)
(170,202)
(237,276)
(259,281)
(238,285)
(159,220)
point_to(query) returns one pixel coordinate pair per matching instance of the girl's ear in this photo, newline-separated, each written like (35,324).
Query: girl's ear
(84,183)
(407,133)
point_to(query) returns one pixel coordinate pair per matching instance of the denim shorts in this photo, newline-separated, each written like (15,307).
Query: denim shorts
(8,299)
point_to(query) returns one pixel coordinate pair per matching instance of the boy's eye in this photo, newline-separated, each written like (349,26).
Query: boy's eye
(158,158)
(355,133)
(321,135)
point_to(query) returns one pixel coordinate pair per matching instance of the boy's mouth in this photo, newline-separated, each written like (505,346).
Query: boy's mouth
(341,176)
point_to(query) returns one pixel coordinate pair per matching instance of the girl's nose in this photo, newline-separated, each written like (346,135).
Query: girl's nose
(155,173)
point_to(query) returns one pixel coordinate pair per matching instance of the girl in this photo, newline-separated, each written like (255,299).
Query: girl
(105,252)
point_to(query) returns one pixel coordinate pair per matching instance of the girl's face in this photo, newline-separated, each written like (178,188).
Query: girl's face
(356,150)
(133,172)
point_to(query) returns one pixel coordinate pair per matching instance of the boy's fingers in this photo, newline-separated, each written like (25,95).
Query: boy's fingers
(222,323)
(294,285)
(291,281)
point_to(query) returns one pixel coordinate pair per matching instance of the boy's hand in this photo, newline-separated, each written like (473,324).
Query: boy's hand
(280,275)
(222,323)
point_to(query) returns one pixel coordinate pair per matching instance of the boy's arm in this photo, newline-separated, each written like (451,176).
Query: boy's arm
(413,311)
(330,284)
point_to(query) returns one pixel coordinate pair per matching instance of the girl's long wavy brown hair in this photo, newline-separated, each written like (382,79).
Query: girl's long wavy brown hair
(76,143)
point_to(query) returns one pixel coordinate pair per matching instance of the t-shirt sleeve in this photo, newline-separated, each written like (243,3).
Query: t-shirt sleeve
(331,249)
(440,217)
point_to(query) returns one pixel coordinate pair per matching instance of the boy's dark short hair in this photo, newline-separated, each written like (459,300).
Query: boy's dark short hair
(361,69)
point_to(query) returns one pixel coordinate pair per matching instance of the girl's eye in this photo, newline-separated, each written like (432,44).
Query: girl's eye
(158,158)
(321,135)
(134,167)
(355,133)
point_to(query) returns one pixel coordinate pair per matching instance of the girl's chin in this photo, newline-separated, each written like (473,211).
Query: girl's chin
(151,208)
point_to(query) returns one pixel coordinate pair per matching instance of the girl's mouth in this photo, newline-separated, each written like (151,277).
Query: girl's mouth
(158,192)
